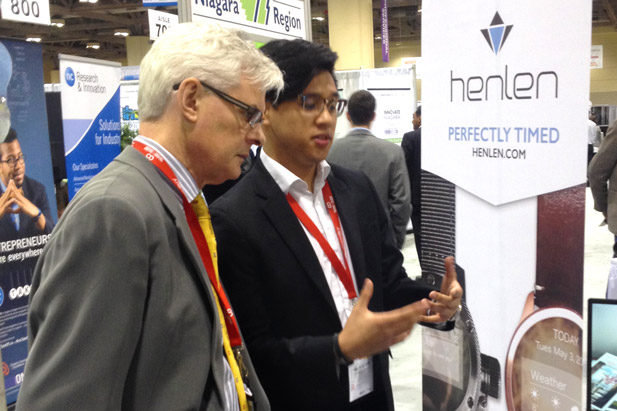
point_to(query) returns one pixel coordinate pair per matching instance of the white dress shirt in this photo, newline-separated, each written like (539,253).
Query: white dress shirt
(314,206)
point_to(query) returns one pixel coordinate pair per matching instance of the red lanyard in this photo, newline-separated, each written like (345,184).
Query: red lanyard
(341,268)
(198,235)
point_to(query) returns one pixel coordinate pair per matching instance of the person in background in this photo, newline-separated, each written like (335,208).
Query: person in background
(602,174)
(126,308)
(382,161)
(412,145)
(308,256)
(593,136)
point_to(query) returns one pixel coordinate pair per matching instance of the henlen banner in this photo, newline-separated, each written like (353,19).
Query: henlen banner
(505,94)
(90,95)
(23,234)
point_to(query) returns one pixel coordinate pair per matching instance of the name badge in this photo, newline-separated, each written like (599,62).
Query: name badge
(360,378)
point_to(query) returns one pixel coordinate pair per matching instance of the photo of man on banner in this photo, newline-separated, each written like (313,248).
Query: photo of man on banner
(24,207)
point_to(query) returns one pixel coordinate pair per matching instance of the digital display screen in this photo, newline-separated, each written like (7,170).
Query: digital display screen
(602,355)
(545,364)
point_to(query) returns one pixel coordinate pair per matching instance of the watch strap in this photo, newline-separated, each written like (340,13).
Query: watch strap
(559,249)
(338,354)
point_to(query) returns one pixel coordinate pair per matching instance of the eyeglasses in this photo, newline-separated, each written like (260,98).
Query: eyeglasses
(252,115)
(13,160)
(316,103)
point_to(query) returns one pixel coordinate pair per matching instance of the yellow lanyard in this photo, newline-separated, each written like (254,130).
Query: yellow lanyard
(203,215)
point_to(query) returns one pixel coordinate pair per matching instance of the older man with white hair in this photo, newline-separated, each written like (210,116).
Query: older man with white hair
(127,312)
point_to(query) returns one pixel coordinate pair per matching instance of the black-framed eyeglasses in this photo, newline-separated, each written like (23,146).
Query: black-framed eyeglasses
(13,160)
(316,103)
(252,115)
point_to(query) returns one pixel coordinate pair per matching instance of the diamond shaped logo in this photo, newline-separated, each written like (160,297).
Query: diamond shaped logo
(497,33)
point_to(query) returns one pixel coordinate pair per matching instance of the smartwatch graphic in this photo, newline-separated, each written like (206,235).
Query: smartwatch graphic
(456,375)
(544,365)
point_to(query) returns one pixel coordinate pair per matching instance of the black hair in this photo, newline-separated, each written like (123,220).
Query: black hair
(361,107)
(419,111)
(300,61)
(10,137)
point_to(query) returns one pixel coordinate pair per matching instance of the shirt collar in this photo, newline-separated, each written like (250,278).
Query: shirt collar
(185,179)
(285,179)
(360,128)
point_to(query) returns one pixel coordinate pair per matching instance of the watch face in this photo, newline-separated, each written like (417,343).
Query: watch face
(450,362)
(544,369)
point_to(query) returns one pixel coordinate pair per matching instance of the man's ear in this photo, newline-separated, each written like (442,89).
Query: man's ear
(188,98)
(267,112)
(348,116)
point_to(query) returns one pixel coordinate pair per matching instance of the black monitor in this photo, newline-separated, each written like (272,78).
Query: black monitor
(602,355)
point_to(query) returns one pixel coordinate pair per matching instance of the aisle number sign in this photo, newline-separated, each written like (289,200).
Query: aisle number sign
(29,11)
(159,22)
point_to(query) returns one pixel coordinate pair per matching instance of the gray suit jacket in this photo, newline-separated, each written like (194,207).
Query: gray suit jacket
(122,316)
(603,178)
(384,163)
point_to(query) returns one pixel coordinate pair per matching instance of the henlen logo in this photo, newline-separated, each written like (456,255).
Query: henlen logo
(497,33)
(507,86)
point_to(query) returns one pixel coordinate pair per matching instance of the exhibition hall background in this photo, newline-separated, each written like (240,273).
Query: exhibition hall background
(350,32)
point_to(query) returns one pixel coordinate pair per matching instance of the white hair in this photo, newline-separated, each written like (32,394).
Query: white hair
(209,52)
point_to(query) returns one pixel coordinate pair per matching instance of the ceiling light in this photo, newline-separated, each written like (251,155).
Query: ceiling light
(419,10)
(88,1)
(57,22)
(93,45)
(319,18)
(35,38)
(377,37)
(122,32)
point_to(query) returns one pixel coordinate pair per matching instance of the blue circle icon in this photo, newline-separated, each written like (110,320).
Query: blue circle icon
(69,76)
(1,295)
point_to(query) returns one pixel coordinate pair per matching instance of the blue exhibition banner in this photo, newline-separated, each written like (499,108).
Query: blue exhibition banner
(90,96)
(23,128)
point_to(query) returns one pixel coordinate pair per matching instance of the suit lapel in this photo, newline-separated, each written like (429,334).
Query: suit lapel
(286,224)
(172,200)
(349,219)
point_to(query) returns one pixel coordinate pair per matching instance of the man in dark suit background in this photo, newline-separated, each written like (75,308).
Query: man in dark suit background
(123,309)
(298,240)
(381,160)
(411,144)
(24,207)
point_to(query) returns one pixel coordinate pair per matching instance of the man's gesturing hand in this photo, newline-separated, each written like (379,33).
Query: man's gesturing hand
(367,333)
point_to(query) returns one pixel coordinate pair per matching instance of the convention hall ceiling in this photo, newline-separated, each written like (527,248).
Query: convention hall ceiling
(88,22)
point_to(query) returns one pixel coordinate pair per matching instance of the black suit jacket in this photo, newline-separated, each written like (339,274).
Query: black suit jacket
(280,295)
(411,145)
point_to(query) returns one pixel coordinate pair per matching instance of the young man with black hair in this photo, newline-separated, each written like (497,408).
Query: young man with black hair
(381,160)
(300,238)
